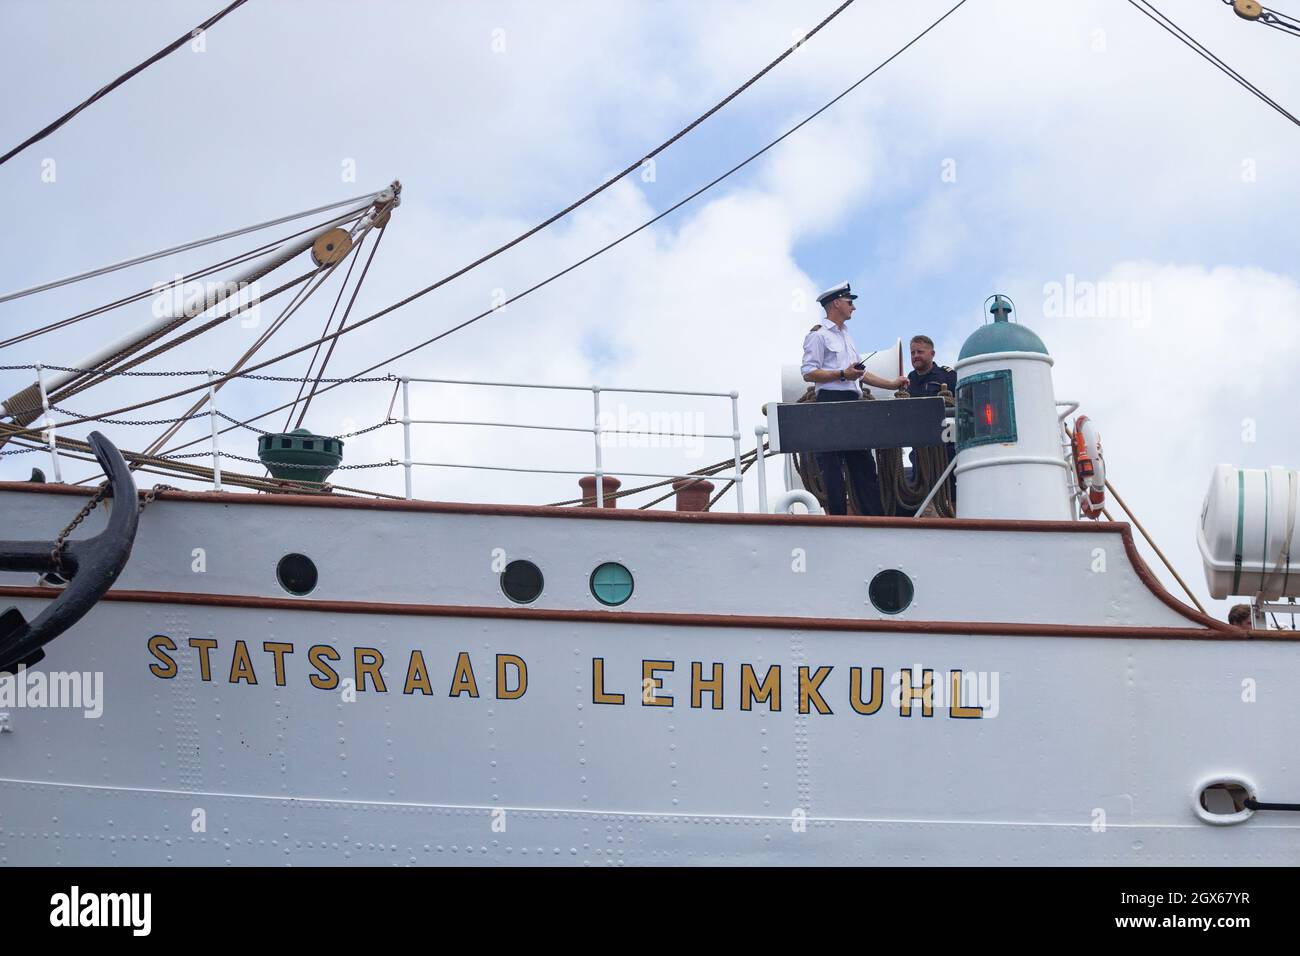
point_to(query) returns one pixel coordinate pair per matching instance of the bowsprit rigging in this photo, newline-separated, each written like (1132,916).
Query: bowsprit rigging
(25,406)
(356,203)
(329,243)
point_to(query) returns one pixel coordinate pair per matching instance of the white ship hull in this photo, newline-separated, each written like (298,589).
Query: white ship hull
(1104,709)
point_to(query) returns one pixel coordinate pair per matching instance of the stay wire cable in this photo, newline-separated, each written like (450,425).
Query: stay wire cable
(359,202)
(104,91)
(1195,45)
(146,293)
(382,312)
(581,262)
(342,322)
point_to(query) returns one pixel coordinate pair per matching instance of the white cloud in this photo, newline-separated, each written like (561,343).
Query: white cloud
(823,177)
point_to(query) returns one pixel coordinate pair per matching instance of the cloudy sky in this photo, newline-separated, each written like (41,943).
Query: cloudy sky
(1024,147)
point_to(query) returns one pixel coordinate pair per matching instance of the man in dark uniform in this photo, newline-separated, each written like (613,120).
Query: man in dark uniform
(926,377)
(830,363)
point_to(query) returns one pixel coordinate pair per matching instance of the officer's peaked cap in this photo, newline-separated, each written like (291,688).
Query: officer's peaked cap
(841,291)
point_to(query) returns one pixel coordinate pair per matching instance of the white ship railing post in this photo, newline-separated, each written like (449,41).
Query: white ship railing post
(595,431)
(761,464)
(212,417)
(1067,453)
(49,423)
(406,431)
(735,440)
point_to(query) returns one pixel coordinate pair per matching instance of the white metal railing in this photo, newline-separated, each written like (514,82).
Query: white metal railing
(50,438)
(597,429)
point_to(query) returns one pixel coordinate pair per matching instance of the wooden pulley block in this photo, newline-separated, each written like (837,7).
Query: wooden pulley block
(1248,9)
(331,247)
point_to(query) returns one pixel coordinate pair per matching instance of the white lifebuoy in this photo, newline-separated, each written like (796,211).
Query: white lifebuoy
(785,503)
(1089,467)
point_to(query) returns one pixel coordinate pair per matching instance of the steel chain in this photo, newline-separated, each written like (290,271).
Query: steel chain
(129,421)
(257,461)
(56,553)
(263,431)
(148,497)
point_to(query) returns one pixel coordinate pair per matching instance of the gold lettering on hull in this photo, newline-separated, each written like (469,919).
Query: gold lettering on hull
(816,686)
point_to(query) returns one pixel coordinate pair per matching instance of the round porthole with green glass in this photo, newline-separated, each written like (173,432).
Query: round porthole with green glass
(611,584)
(890,591)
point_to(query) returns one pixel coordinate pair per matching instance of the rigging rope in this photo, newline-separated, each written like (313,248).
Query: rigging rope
(343,287)
(104,91)
(645,225)
(284,316)
(727,487)
(633,167)
(545,282)
(146,293)
(302,296)
(198,243)
(342,322)
(1151,541)
(1188,40)
(183,373)
(73,388)
(671,209)
(79,384)
(928,463)
(129,299)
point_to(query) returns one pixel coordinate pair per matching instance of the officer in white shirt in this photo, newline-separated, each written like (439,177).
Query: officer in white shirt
(831,362)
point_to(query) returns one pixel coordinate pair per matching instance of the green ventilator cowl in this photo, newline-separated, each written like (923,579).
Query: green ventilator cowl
(300,455)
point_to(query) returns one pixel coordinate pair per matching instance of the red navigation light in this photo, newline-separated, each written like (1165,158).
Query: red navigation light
(988,413)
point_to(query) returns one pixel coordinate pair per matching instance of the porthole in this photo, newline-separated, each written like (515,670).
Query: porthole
(890,591)
(611,584)
(522,582)
(296,573)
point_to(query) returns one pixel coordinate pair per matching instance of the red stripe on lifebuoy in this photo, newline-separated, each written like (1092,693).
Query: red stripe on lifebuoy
(1089,467)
